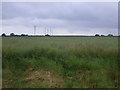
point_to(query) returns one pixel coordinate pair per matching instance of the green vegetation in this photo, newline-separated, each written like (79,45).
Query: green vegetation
(60,62)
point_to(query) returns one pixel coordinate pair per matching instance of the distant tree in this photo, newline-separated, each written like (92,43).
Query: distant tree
(110,34)
(97,35)
(16,35)
(47,35)
(3,35)
(102,35)
(24,35)
(12,34)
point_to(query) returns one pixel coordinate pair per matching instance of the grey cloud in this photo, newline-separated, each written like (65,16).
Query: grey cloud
(61,15)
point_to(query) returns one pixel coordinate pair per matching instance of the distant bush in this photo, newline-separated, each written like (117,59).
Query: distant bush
(47,35)
(24,35)
(102,35)
(12,34)
(97,35)
(3,35)
(110,34)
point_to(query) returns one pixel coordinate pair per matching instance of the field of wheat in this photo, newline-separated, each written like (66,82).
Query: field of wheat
(60,62)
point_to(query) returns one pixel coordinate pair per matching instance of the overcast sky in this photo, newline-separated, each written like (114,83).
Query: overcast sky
(71,18)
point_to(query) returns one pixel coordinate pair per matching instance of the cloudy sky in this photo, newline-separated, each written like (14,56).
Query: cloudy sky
(68,18)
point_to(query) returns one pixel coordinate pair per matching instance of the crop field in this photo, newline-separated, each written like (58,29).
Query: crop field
(60,62)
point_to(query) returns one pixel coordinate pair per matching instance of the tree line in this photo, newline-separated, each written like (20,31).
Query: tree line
(12,34)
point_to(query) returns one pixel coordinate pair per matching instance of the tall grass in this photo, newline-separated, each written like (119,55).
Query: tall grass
(88,61)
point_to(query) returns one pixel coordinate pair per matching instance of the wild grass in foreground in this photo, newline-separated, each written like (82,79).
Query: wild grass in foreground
(60,62)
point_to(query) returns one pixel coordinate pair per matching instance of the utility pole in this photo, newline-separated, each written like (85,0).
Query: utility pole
(45,30)
(34,30)
(51,31)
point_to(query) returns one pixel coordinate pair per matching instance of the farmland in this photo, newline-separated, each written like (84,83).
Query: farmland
(60,62)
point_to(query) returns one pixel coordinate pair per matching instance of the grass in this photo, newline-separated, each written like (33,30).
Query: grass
(60,62)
